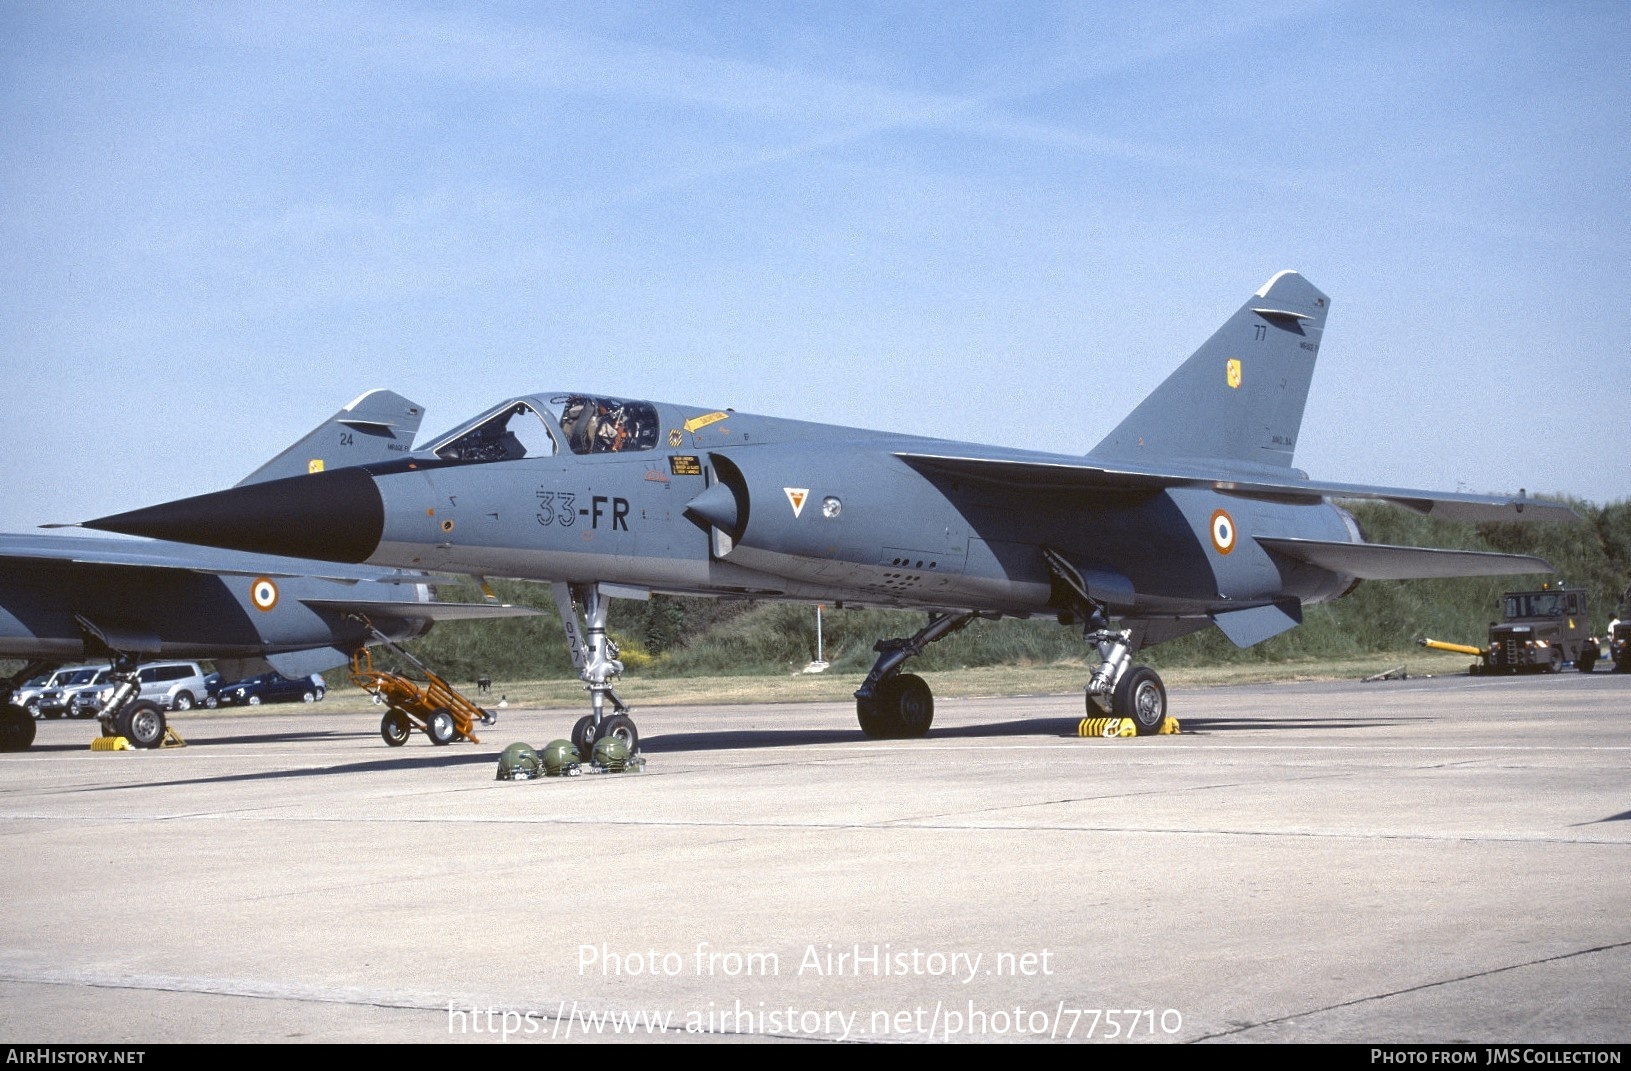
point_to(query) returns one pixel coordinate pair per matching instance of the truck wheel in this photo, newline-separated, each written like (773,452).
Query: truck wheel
(440,727)
(395,727)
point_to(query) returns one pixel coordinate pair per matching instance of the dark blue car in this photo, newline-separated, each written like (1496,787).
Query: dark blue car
(272,688)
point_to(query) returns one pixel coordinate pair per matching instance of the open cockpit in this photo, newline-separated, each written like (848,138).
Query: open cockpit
(541,425)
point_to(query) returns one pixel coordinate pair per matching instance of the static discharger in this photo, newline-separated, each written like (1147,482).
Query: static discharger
(1112,728)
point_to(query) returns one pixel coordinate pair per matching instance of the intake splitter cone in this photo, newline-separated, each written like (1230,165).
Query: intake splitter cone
(335,516)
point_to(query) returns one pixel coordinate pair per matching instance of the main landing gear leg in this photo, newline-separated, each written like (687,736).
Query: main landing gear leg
(1116,687)
(583,609)
(139,721)
(891,704)
(17,724)
(1122,690)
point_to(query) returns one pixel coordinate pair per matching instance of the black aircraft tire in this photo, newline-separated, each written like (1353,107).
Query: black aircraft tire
(583,738)
(16,728)
(910,704)
(1142,697)
(395,728)
(622,727)
(440,727)
(1586,658)
(142,723)
(875,725)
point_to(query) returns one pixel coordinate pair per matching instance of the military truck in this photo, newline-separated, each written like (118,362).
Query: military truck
(1540,631)
(1619,635)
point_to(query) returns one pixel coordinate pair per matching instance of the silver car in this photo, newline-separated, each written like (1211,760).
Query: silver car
(67,697)
(28,696)
(173,685)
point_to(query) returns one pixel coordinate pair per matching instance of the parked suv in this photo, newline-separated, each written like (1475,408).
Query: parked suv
(28,696)
(173,685)
(86,700)
(68,697)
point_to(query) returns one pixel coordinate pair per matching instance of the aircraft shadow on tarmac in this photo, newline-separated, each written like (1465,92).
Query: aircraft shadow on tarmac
(1224,725)
(744,739)
(738,739)
(213,741)
(442,758)
(741,739)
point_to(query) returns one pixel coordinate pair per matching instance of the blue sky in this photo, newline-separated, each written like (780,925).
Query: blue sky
(1002,222)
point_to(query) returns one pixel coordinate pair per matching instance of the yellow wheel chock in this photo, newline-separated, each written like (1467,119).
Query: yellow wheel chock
(1109,728)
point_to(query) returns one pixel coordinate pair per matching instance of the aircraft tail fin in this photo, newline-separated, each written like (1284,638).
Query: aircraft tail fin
(376,426)
(1240,397)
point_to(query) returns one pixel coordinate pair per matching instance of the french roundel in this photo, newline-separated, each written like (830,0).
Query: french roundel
(263,594)
(1223,532)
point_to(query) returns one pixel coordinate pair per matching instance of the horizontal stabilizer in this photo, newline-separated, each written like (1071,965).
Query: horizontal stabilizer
(423,611)
(293,664)
(1378,561)
(1246,628)
(1068,474)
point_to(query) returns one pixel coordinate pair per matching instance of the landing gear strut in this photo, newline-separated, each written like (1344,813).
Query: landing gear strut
(1116,688)
(140,721)
(583,609)
(1124,691)
(894,705)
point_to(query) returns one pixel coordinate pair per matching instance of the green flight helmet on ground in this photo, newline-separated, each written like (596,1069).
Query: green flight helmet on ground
(518,763)
(560,757)
(611,753)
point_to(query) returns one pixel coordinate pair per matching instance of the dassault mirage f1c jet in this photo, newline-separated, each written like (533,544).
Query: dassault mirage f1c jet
(1188,514)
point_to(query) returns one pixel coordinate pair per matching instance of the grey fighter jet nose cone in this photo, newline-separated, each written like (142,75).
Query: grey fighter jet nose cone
(335,516)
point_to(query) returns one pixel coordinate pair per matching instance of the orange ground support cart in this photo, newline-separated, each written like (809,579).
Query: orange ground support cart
(432,705)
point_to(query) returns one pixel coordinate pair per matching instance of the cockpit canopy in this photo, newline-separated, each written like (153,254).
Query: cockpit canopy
(534,427)
(606,425)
